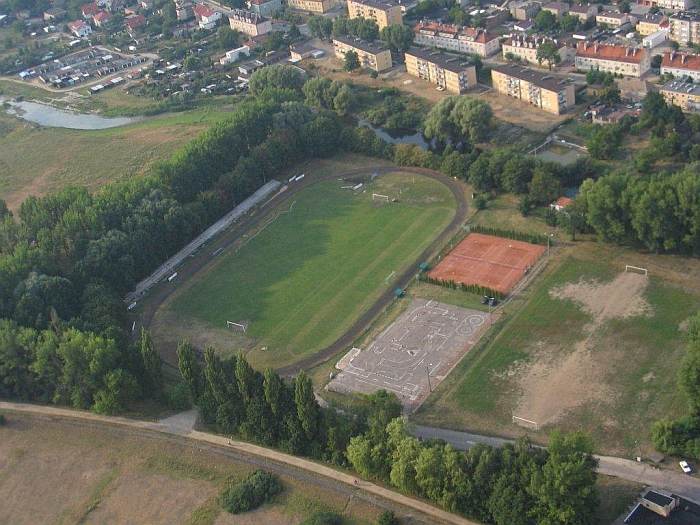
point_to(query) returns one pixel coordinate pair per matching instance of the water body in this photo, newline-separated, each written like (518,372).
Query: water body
(416,137)
(52,117)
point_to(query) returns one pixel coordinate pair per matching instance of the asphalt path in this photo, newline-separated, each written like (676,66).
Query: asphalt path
(203,261)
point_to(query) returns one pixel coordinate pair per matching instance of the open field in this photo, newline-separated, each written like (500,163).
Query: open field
(57,471)
(36,160)
(485,260)
(592,348)
(414,354)
(322,259)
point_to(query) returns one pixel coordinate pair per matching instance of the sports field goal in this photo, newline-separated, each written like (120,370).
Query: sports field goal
(636,269)
(527,423)
(380,197)
(237,327)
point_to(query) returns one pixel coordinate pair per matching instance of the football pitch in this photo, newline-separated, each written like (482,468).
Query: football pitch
(320,261)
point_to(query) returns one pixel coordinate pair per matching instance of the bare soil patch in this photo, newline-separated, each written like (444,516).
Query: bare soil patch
(558,379)
(256,517)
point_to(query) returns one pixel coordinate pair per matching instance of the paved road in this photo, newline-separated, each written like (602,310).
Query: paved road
(181,427)
(676,482)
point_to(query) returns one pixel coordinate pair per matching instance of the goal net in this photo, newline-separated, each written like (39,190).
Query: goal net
(380,197)
(527,423)
(635,269)
(237,327)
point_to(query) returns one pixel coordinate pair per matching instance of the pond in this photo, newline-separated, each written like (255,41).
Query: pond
(52,117)
(409,137)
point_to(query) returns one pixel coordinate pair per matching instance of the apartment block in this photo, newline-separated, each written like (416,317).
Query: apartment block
(249,23)
(674,5)
(685,95)
(685,27)
(614,19)
(372,55)
(312,6)
(456,38)
(525,48)
(538,89)
(558,9)
(524,9)
(584,12)
(650,24)
(383,12)
(681,65)
(623,60)
(452,73)
(266,8)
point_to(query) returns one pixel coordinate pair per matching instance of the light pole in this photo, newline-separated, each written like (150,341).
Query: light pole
(549,237)
(427,372)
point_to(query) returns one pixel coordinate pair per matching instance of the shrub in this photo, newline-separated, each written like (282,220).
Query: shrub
(324,518)
(250,493)
(177,396)
(387,518)
(3,421)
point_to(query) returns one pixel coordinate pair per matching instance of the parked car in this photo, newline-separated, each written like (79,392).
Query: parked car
(685,467)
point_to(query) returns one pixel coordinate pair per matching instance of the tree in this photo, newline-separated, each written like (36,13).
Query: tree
(321,26)
(399,38)
(276,76)
(459,120)
(352,61)
(544,186)
(568,22)
(625,6)
(190,369)
(548,51)
(387,518)
(545,21)
(227,37)
(306,405)
(152,366)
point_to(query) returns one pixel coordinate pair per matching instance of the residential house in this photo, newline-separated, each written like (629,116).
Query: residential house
(524,47)
(561,203)
(383,12)
(89,10)
(613,58)
(456,38)
(652,23)
(80,28)
(454,74)
(685,27)
(266,8)
(536,88)
(372,55)
(249,23)
(134,24)
(206,17)
(101,18)
(54,14)
(681,65)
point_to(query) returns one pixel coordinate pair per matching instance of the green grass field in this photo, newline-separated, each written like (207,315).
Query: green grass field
(36,160)
(635,358)
(305,278)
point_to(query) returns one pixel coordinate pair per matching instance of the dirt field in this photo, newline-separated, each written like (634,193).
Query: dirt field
(414,354)
(57,471)
(494,262)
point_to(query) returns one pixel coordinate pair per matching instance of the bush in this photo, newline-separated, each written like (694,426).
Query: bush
(324,518)
(177,396)
(480,201)
(250,493)
(3,421)
(387,518)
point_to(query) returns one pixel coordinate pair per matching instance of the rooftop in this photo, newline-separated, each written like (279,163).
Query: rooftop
(655,18)
(679,60)
(532,41)
(379,4)
(246,16)
(559,6)
(580,8)
(453,63)
(686,88)
(658,498)
(613,14)
(368,47)
(687,513)
(541,80)
(689,16)
(202,10)
(468,33)
(135,21)
(610,52)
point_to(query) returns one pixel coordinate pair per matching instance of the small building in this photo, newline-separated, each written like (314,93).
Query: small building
(54,14)
(685,27)
(606,114)
(234,55)
(134,24)
(372,55)
(525,48)
(383,12)
(537,89)
(454,74)
(456,38)
(584,12)
(632,89)
(525,9)
(89,10)
(655,39)
(524,26)
(685,95)
(101,18)
(614,19)
(612,58)
(561,204)
(558,9)
(651,23)
(266,8)
(302,50)
(249,23)
(183,10)
(80,28)
(681,65)
(312,6)
(246,69)
(206,17)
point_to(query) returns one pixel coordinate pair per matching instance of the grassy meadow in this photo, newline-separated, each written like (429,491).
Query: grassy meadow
(303,280)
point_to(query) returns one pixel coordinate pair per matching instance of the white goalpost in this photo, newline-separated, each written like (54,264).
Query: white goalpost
(528,423)
(636,269)
(237,327)
(380,197)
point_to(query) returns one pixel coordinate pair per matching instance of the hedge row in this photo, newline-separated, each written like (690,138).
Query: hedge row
(534,238)
(471,288)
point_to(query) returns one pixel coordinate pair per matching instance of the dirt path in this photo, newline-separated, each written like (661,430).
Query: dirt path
(201,262)
(221,442)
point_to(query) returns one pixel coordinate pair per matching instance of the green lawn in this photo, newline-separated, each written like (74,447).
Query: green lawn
(304,279)
(638,357)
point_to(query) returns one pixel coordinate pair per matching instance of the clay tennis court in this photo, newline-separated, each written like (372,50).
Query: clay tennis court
(494,262)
